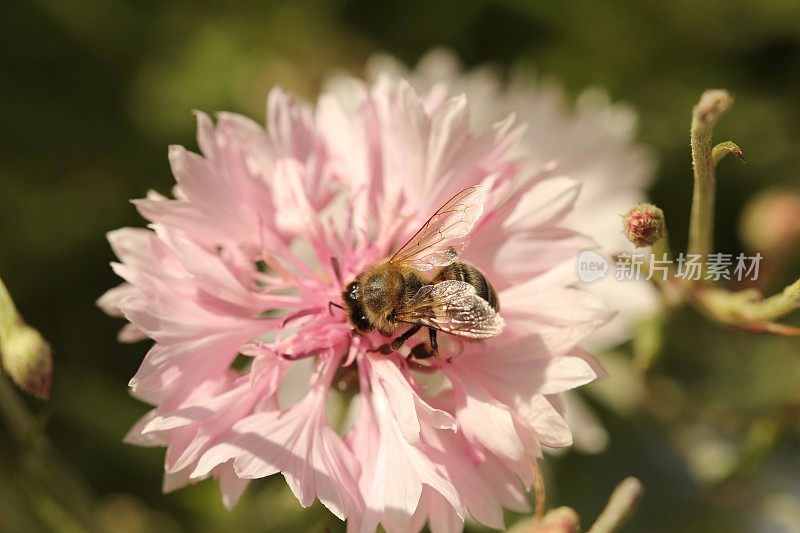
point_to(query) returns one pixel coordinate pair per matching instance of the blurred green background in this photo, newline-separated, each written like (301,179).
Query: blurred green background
(92,92)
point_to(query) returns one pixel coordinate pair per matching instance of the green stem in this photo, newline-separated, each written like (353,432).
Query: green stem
(775,306)
(8,311)
(661,249)
(712,105)
(66,493)
(620,506)
(13,410)
(671,292)
(745,309)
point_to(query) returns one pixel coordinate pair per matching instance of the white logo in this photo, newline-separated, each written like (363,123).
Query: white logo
(591,266)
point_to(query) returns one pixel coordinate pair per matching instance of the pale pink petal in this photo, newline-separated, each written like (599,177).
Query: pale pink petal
(484,419)
(297,443)
(136,436)
(523,367)
(562,316)
(484,484)
(231,486)
(250,258)
(410,411)
(400,472)
(434,510)
(550,427)
(547,202)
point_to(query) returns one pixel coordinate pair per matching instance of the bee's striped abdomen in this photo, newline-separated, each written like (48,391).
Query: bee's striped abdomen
(465,272)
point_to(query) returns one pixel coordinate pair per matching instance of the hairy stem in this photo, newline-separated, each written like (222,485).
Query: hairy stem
(712,105)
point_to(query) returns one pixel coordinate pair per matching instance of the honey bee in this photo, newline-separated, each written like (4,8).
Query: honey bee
(457,300)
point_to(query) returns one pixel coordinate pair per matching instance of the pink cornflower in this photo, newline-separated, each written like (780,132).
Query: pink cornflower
(594,140)
(250,259)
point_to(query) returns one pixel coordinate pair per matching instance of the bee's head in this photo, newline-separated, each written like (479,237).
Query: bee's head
(355,311)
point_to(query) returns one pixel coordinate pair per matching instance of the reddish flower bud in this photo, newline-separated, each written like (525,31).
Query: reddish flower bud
(644,225)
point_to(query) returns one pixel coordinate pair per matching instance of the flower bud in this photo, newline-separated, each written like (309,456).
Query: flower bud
(24,354)
(770,221)
(27,359)
(644,225)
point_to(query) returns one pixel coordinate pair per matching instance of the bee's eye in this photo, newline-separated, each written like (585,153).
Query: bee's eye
(364,325)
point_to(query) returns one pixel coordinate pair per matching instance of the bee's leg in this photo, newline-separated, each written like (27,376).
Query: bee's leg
(398,342)
(423,351)
(434,342)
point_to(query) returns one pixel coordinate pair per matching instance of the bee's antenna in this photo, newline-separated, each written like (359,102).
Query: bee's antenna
(334,304)
(337,271)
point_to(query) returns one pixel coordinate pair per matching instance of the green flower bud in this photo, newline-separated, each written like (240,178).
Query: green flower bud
(27,359)
(25,355)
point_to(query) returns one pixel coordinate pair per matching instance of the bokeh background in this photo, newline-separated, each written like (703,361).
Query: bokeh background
(92,92)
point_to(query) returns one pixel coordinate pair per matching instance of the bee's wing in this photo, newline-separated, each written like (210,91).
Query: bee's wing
(453,307)
(443,236)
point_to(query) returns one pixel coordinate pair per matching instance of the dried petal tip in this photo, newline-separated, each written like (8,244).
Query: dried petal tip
(712,105)
(27,359)
(644,225)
